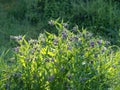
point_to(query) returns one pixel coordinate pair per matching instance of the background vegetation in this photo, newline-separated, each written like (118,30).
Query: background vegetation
(31,17)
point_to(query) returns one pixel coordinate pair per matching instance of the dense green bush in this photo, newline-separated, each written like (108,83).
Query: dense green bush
(66,61)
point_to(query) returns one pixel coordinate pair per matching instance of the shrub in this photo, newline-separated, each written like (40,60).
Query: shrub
(63,61)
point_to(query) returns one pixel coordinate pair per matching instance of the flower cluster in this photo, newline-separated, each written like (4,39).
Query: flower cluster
(72,59)
(16,38)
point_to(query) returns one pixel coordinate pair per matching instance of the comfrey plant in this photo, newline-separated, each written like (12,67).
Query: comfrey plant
(67,61)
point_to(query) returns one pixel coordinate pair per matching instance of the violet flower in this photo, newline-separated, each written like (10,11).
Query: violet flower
(99,42)
(92,44)
(64,35)
(65,25)
(51,22)
(16,49)
(75,29)
(55,41)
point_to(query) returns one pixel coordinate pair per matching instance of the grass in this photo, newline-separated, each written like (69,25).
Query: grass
(17,17)
(9,25)
(45,58)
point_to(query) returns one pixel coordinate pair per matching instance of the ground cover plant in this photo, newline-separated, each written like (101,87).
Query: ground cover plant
(71,60)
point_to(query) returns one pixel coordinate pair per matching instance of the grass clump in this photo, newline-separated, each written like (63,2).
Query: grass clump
(70,60)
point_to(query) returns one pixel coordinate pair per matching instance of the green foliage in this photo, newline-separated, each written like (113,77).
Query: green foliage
(100,16)
(19,17)
(83,12)
(97,13)
(73,59)
(70,59)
